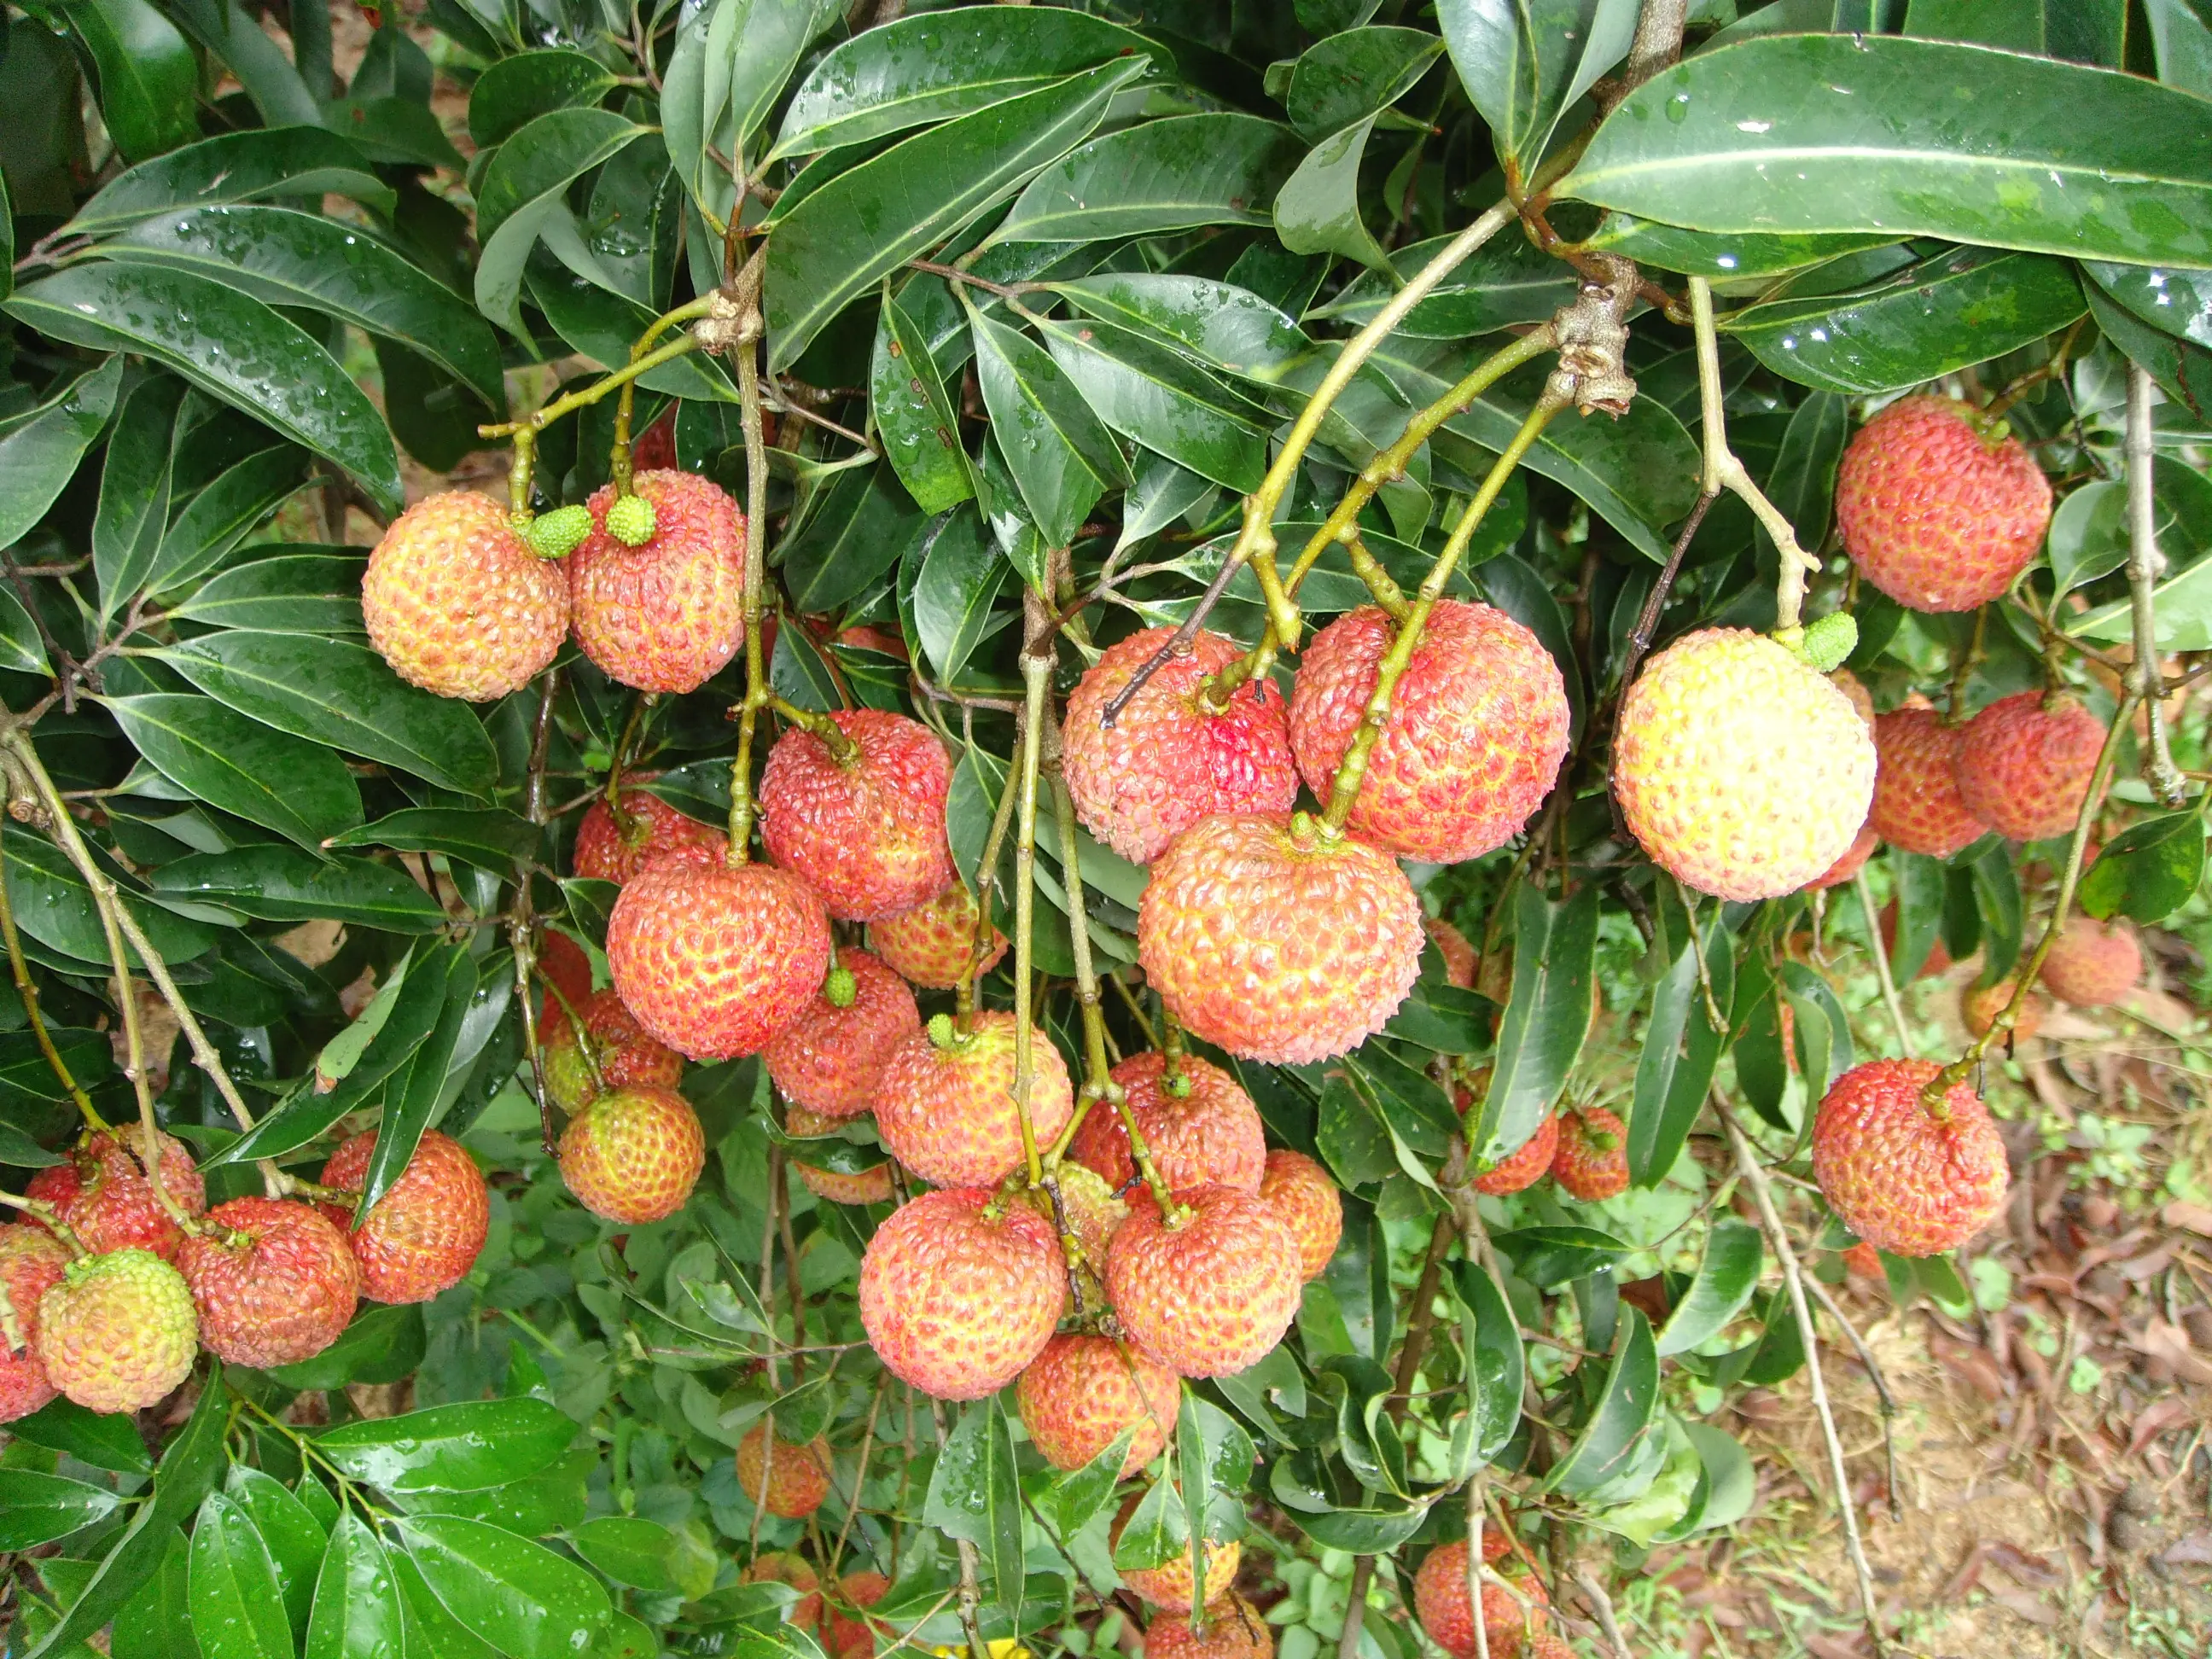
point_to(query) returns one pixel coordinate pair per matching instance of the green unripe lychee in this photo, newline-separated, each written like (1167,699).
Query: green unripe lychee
(840,988)
(630,521)
(120,1331)
(1828,641)
(558,533)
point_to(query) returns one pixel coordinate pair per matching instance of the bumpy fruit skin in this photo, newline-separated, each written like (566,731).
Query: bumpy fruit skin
(1916,804)
(1863,1261)
(1527,1164)
(929,945)
(1447,1613)
(782,1567)
(633,1154)
(1980,1004)
(1170,1584)
(458,603)
(626,1056)
(1212,1293)
(854,1638)
(2092,964)
(31,1264)
(1936,516)
(1862,699)
(829,1059)
(716,960)
(1211,1133)
(795,1478)
(1306,1202)
(1460,958)
(2025,768)
(869,1186)
(1900,1180)
(866,833)
(1741,770)
(274,1280)
(1234,1630)
(422,1236)
(1277,942)
(118,1332)
(1853,860)
(957,1301)
(948,1113)
(1092,1208)
(1168,762)
(1477,729)
(103,1196)
(611,847)
(1591,1160)
(563,966)
(1080,1394)
(663,616)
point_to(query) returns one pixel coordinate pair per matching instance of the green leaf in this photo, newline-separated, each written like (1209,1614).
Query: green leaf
(1072,1500)
(974,1494)
(54,906)
(601,324)
(1317,209)
(464,1447)
(21,647)
(921,432)
(1152,396)
(515,91)
(1524,61)
(411,1097)
(357,1614)
(224,513)
(285,883)
(2149,871)
(1728,1273)
(1491,1338)
(382,1345)
(39,452)
(632,1550)
(1552,1255)
(731,61)
(133,491)
(518,1595)
(270,81)
(1062,459)
(1217,323)
(524,184)
(1615,1436)
(293,1537)
(1824,1033)
(1546,1015)
(1507,280)
(1737,255)
(299,789)
(2182,368)
(239,167)
(1673,1075)
(851,541)
(156,1622)
(1178,173)
(2181,41)
(106,1442)
(36,1508)
(148,83)
(2087,31)
(1352,75)
(1803,481)
(1732,1484)
(491,839)
(238,1611)
(300,588)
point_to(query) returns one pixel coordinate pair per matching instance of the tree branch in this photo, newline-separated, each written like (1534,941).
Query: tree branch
(2145,565)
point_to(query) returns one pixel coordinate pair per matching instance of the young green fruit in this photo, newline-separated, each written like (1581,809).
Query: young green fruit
(118,1332)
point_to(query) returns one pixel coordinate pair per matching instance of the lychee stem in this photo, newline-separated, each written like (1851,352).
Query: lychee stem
(986,884)
(841,747)
(2145,565)
(1036,683)
(755,574)
(47,1217)
(618,464)
(521,927)
(29,993)
(583,1037)
(1881,952)
(625,746)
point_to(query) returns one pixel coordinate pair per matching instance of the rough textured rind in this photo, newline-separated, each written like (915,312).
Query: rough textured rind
(869,1186)
(422,1236)
(1476,732)
(1447,1613)
(1308,1204)
(1171,1583)
(1213,1295)
(1853,860)
(949,1113)
(929,945)
(274,1280)
(716,960)
(1899,1179)
(1917,806)
(2025,767)
(2092,964)
(1168,762)
(867,834)
(1978,1006)
(614,849)
(102,1194)
(1079,1395)
(118,1332)
(626,1056)
(31,1264)
(956,1301)
(829,1059)
(1276,947)
(1527,1164)
(1211,1134)
(663,616)
(1091,1208)
(458,605)
(856,1638)
(1234,1630)
(1587,1170)
(633,1154)
(1739,769)
(1934,516)
(796,1479)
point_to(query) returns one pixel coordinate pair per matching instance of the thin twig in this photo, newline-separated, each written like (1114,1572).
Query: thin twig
(2145,565)
(1880,953)
(1888,1401)
(1601,1604)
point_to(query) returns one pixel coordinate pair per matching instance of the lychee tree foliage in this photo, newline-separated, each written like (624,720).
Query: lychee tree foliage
(1014,330)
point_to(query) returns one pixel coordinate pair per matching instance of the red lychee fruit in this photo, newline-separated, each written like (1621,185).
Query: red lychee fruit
(832,1057)
(944,1099)
(614,845)
(1939,510)
(458,603)
(1234,1630)
(1170,761)
(1477,729)
(786,1480)
(1902,1180)
(1080,1394)
(1171,1583)
(274,1280)
(31,1264)
(930,945)
(1447,1612)
(1915,785)
(1979,1006)
(959,1293)
(1591,1160)
(663,616)
(1212,1132)
(865,831)
(1209,1290)
(2026,765)
(422,1236)
(1863,1261)
(870,1186)
(102,1194)
(633,1154)
(1307,1202)
(1740,771)
(782,1567)
(1460,958)
(715,960)
(855,1639)
(624,1053)
(1848,867)
(2092,964)
(563,966)
(1524,1166)
(1939,959)
(117,1332)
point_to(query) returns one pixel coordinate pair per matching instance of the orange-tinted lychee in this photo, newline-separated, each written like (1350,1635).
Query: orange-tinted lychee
(31,1263)
(1979,1006)
(663,616)
(958,1293)
(2026,763)
(425,1233)
(866,829)
(1591,1160)
(1526,1165)
(633,1154)
(1900,1177)
(1082,1392)
(274,1280)
(945,1105)
(1209,1132)
(871,1185)
(613,844)
(1172,1584)
(620,1048)
(1234,1630)
(1446,1611)
(830,1058)
(2092,964)
(102,1195)
(930,945)
(458,603)
(1916,784)
(787,1480)
(1209,1290)
(1308,1203)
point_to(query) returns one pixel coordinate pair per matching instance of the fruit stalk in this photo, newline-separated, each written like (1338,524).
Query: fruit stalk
(29,993)
(521,930)
(47,1216)
(525,431)
(756,687)
(1895,1004)
(618,467)
(2145,565)
(987,882)
(1477,1517)
(1037,677)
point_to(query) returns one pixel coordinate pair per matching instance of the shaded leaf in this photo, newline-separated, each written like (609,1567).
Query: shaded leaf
(1728,1273)
(38,453)
(1176,173)
(1546,1020)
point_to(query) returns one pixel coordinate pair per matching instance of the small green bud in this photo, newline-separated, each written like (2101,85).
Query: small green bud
(558,534)
(940,1031)
(1828,641)
(841,989)
(630,521)
(1176,1087)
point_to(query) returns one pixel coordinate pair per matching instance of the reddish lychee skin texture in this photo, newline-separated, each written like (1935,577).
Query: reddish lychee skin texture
(1477,729)
(1307,1202)
(1978,1006)
(1210,1297)
(797,1477)
(608,849)
(1446,1612)
(634,1155)
(1589,1171)
(1080,1394)
(2092,964)
(1853,860)
(929,945)
(1525,1165)
(458,605)
(102,1195)
(663,616)
(869,1186)
(1168,762)
(1091,1209)
(31,1264)
(1234,1630)
(1916,804)
(716,960)
(829,1059)
(2024,770)
(422,1236)
(1212,1134)
(868,834)
(958,1303)
(626,1056)
(1276,949)
(1935,516)
(1900,1180)
(274,1280)
(1863,1261)
(782,1567)
(1460,960)
(855,1639)
(949,1113)
(118,1332)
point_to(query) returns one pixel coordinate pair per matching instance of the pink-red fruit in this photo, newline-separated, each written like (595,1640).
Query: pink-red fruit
(458,603)
(422,1236)
(614,843)
(633,1154)
(1210,1289)
(623,1053)
(2026,763)
(31,1264)
(944,1099)
(1526,1165)
(784,1479)
(1209,1132)
(2092,963)
(274,1280)
(959,1293)
(1591,1160)
(118,1332)
(864,829)
(1447,1612)
(1234,1630)
(1903,1178)
(930,945)
(1916,784)
(665,614)
(1308,1204)
(102,1195)
(830,1058)
(1172,1584)
(1079,1396)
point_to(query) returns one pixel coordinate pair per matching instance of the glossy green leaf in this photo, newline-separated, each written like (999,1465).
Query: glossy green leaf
(105,1441)
(974,1494)
(1681,1050)
(1732,1483)
(1352,75)
(2149,871)
(1547,1256)
(148,83)
(294,1536)
(921,432)
(2181,42)
(1178,173)
(515,91)
(632,1550)
(271,84)
(133,491)
(54,906)
(38,453)
(2182,368)
(36,1508)
(1524,61)
(24,1070)
(464,1447)
(238,166)
(1617,1427)
(1218,323)
(412,1096)
(1803,481)
(297,589)
(1508,280)
(298,788)
(2086,31)
(1547,1016)
(238,1610)
(21,647)
(516,1595)
(1728,1273)
(285,883)
(156,1622)
(1061,457)
(1151,396)
(1317,209)
(491,839)
(524,184)
(732,60)
(1824,1033)
(382,1345)
(864,524)
(1074,1498)
(357,1613)
(1490,1339)
(222,513)
(1731,257)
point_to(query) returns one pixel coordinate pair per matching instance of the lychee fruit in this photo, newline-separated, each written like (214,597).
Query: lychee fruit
(1900,1177)
(870,1186)
(2026,764)
(102,1195)
(1209,1290)
(1848,867)
(1447,1612)
(31,1263)
(783,1567)
(422,1236)
(1739,769)
(613,844)
(959,1293)
(1855,688)
(866,829)
(1863,1261)
(1979,1006)
(944,1099)
(855,1639)
(832,1057)
(1526,1165)
(1234,1630)
(716,960)
(786,1480)
(1092,1207)
(665,614)
(458,603)
(1212,1132)
(564,967)
(1915,785)
(274,1280)
(633,1154)
(1169,760)
(930,945)
(1591,1160)
(2092,964)
(1171,1583)
(1460,958)
(623,1053)
(1939,510)
(117,1332)
(1308,1204)
(1472,743)
(1080,1394)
